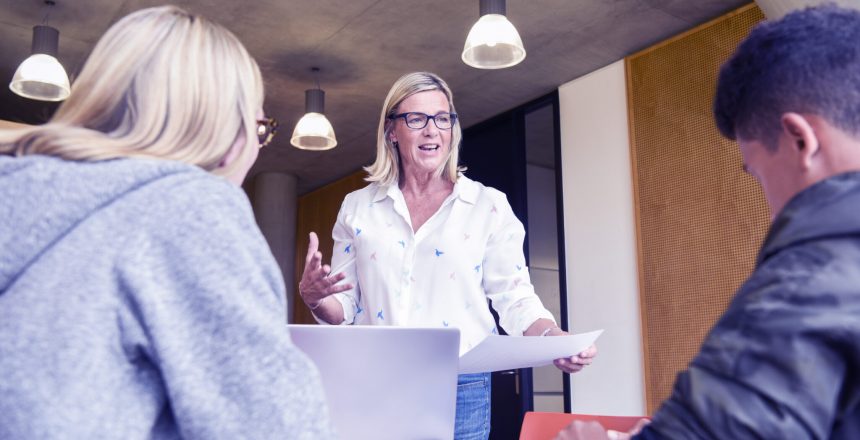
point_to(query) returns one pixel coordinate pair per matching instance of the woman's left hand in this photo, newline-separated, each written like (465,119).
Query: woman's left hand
(578,362)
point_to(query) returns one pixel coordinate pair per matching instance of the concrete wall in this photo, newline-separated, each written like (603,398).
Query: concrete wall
(600,243)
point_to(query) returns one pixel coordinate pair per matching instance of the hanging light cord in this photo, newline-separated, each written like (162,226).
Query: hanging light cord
(48,4)
(316,71)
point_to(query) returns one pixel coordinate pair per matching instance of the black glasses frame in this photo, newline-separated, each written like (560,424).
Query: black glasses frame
(427,119)
(266,129)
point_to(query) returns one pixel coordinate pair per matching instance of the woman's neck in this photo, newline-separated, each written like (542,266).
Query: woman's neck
(423,184)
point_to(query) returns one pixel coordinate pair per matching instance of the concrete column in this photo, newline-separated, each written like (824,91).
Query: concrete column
(275,204)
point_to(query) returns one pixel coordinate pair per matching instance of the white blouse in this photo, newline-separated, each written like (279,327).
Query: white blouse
(470,250)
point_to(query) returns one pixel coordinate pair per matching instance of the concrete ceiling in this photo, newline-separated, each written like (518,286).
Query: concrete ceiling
(362,47)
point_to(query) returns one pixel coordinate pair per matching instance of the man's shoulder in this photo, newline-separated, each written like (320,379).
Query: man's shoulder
(807,287)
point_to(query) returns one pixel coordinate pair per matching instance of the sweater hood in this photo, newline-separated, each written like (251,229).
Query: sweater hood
(43,198)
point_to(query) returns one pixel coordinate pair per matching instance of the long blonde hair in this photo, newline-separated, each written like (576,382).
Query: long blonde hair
(386,168)
(161,83)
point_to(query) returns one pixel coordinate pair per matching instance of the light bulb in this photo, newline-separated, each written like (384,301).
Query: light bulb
(493,43)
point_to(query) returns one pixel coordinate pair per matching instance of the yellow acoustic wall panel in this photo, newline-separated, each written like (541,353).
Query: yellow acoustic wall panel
(700,218)
(4,125)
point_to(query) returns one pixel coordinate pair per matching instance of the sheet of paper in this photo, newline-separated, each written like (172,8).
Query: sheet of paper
(508,352)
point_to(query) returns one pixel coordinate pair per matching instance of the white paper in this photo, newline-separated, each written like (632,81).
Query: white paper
(498,352)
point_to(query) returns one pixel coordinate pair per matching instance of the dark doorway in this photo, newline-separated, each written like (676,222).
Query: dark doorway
(507,152)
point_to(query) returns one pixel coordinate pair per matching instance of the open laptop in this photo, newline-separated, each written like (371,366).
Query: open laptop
(386,382)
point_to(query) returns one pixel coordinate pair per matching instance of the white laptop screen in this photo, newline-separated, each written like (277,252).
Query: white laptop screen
(386,382)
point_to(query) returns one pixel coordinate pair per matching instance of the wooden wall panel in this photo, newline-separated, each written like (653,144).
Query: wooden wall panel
(700,218)
(318,212)
(4,125)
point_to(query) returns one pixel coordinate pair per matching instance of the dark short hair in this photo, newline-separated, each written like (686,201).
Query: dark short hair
(808,62)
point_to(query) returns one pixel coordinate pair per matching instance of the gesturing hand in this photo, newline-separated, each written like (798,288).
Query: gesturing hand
(316,283)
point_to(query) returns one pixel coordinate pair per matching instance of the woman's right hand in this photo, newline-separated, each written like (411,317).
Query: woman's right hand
(316,284)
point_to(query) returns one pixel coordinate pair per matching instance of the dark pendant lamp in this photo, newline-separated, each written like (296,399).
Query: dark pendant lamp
(314,131)
(41,76)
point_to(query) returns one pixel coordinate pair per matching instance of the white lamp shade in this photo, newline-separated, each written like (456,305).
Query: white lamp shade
(776,9)
(313,132)
(41,77)
(493,43)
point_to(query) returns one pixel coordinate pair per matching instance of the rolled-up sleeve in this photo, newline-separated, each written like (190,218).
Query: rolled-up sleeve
(506,278)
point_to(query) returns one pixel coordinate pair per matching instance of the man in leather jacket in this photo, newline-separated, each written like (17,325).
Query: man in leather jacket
(783,362)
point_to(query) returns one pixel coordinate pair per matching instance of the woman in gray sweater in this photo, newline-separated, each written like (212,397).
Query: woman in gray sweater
(138,298)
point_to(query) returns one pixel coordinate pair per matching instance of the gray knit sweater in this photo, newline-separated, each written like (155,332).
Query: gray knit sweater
(139,300)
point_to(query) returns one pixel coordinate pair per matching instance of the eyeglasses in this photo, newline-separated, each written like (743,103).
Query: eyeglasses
(417,121)
(266,129)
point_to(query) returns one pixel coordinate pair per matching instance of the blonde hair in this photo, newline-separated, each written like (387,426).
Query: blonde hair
(386,169)
(161,83)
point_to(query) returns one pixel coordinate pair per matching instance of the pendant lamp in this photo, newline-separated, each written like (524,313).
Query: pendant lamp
(493,42)
(314,131)
(41,76)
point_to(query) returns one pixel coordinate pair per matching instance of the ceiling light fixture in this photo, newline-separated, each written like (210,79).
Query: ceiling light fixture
(41,76)
(314,131)
(493,42)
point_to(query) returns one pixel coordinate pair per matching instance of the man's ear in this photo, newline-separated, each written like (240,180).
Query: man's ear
(802,137)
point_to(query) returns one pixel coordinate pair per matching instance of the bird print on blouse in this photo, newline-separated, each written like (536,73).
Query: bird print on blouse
(379,315)
(357,232)
(438,252)
(347,249)
(373,256)
(445,323)
(402,244)
(477,268)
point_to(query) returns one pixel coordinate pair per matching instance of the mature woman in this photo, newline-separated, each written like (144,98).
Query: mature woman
(138,298)
(423,245)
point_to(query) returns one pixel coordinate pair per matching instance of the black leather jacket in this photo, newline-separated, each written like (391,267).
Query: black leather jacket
(783,362)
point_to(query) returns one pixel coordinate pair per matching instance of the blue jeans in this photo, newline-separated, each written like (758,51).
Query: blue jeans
(472,421)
